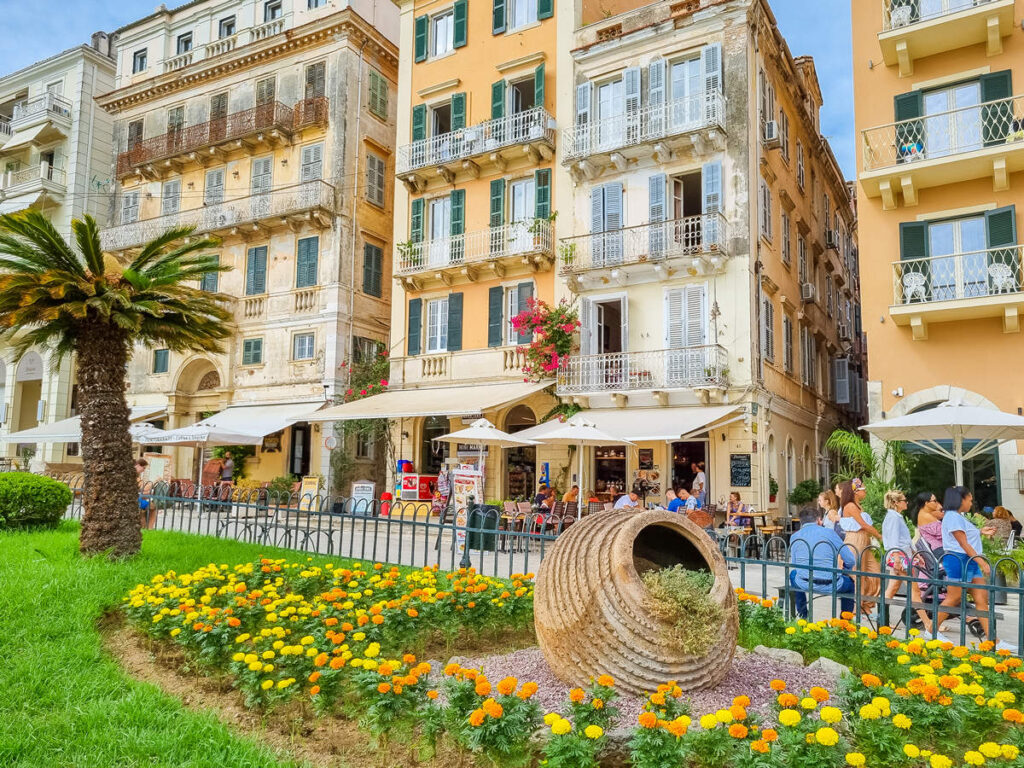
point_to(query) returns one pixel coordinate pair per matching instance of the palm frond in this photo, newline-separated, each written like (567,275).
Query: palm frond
(87,235)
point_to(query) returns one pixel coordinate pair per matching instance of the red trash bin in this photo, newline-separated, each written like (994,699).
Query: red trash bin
(385,504)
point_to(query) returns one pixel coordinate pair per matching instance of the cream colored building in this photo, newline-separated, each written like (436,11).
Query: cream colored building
(55,156)
(271,126)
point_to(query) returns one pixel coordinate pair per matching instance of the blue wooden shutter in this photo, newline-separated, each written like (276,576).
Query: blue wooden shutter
(256,271)
(419,122)
(498,17)
(458,107)
(524,292)
(306,254)
(416,221)
(538,86)
(422,26)
(542,193)
(415,320)
(996,116)
(545,9)
(460,23)
(454,322)
(495,315)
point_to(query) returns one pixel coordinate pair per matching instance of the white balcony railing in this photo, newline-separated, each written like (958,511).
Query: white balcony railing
(217,47)
(691,236)
(5,128)
(897,14)
(281,203)
(47,103)
(682,368)
(227,44)
(519,128)
(269,29)
(520,238)
(180,61)
(993,272)
(945,134)
(31,173)
(651,123)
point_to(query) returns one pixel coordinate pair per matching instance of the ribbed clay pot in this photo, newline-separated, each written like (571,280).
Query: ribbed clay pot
(592,610)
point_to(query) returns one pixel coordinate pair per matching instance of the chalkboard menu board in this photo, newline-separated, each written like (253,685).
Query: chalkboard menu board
(739,470)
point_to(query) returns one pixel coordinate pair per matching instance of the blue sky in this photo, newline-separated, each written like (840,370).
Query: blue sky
(819,28)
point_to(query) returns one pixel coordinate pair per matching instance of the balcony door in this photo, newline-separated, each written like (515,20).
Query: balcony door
(687,207)
(261,185)
(606,224)
(611,112)
(604,340)
(522,204)
(953,120)
(439,220)
(959,260)
(687,82)
(441,133)
(686,335)
(932,8)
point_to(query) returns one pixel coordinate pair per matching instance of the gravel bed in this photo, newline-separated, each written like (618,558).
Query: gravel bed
(750,675)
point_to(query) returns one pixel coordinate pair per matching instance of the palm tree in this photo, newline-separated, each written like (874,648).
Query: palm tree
(72,298)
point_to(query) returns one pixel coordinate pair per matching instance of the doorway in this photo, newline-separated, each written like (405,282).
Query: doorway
(608,337)
(687,207)
(521,460)
(523,210)
(688,458)
(298,457)
(432,453)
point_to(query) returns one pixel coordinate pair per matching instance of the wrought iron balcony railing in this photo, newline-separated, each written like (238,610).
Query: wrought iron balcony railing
(944,134)
(972,275)
(519,128)
(652,243)
(897,14)
(516,239)
(279,204)
(682,368)
(651,123)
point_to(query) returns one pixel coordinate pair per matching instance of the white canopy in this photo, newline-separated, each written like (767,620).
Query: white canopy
(482,432)
(197,434)
(70,430)
(956,422)
(239,425)
(577,430)
(662,424)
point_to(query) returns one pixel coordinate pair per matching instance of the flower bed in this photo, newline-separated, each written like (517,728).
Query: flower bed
(338,638)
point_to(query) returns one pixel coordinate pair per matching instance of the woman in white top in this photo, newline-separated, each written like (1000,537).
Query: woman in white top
(900,550)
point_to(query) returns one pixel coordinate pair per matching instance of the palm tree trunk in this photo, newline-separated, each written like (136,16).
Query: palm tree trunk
(111,520)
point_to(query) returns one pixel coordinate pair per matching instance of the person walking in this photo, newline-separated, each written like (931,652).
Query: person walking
(899,548)
(227,469)
(859,534)
(828,503)
(926,515)
(146,508)
(963,560)
(699,487)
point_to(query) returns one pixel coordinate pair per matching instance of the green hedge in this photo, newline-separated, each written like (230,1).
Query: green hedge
(28,501)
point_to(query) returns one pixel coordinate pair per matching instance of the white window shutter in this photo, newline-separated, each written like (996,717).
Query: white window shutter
(696,316)
(675,336)
(712,63)
(583,98)
(656,97)
(631,91)
(841,380)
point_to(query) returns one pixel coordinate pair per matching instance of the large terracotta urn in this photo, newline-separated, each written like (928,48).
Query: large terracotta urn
(592,610)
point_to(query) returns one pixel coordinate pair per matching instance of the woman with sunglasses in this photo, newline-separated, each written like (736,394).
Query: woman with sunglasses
(859,532)
(900,551)
(963,560)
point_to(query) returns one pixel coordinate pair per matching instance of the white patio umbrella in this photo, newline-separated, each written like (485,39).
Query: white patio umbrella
(201,436)
(482,432)
(956,422)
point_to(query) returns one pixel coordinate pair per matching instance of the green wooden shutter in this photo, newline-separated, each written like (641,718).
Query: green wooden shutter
(914,245)
(306,253)
(907,107)
(497,219)
(498,17)
(422,26)
(419,122)
(495,313)
(545,9)
(458,105)
(457,224)
(524,292)
(373,268)
(542,193)
(538,86)
(1003,264)
(256,271)
(498,99)
(460,23)
(416,221)
(997,113)
(412,338)
(454,322)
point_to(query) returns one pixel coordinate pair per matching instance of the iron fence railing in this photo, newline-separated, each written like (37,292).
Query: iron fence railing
(679,368)
(639,126)
(897,14)
(517,238)
(976,274)
(944,134)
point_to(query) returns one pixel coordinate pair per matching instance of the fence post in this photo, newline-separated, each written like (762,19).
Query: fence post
(470,507)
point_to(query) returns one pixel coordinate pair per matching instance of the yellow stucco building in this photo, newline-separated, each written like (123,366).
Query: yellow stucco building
(269,125)
(941,149)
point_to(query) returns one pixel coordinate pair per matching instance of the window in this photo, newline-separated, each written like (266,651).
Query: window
(265,91)
(378,95)
(134,133)
(373,270)
(437,325)
(303,345)
(953,119)
(161,360)
(800,164)
(766,210)
(768,330)
(130,207)
(226,27)
(442,34)
(801,259)
(56,88)
(375,168)
(827,211)
(312,162)
(252,351)
(316,81)
(184,44)
(139,61)
(786,234)
(365,350)
(521,13)
(808,357)
(170,197)
(175,124)
(307,253)
(213,192)
(272,10)
(787,343)
(210,281)
(311,4)
(784,133)
(256,271)
(364,445)
(766,98)
(828,295)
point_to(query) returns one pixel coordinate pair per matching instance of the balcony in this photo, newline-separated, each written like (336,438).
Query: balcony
(975,142)
(695,123)
(963,286)
(517,247)
(704,367)
(501,364)
(227,44)
(249,130)
(913,29)
(696,244)
(485,146)
(312,202)
(24,187)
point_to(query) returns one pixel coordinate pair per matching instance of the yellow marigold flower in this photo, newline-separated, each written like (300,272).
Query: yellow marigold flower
(902,722)
(808,703)
(789,717)
(707,722)
(551,718)
(855,759)
(723,716)
(830,715)
(940,761)
(561,727)
(990,749)
(911,751)
(826,736)
(1010,752)
(267,685)
(974,758)
(593,732)
(870,712)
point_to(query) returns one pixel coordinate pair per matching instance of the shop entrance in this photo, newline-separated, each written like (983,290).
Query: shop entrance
(522,460)
(433,453)
(689,458)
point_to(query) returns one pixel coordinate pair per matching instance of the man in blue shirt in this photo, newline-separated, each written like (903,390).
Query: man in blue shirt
(812,550)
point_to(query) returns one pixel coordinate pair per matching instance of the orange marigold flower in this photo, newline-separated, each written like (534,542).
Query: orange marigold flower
(741,701)
(385,670)
(493,709)
(432,695)
(648,720)
(576,695)
(760,746)
(451,669)
(346,627)
(507,686)
(738,731)
(658,699)
(384,688)
(945,700)
(412,613)
(409,659)
(1013,716)
(314,677)
(528,690)
(770,734)
(330,622)
(676,728)
(337,662)
(320,660)
(738,712)
(787,700)
(870,681)
(476,718)
(606,680)
(885,630)
(314,690)
(777,685)
(819,694)
(377,620)
(233,622)
(483,688)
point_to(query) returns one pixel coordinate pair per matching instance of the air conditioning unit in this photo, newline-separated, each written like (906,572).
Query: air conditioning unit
(809,292)
(771,135)
(832,239)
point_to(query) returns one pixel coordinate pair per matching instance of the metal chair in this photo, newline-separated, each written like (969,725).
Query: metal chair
(1002,278)
(914,285)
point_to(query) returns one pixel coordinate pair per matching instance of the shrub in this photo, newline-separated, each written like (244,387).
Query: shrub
(681,597)
(804,493)
(28,500)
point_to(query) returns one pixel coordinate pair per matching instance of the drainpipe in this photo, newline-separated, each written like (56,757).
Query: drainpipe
(355,205)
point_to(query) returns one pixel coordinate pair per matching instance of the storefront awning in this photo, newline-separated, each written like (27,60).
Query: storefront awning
(259,420)
(70,430)
(435,401)
(661,424)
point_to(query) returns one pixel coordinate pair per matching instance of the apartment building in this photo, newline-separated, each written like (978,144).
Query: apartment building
(709,238)
(941,131)
(55,156)
(269,125)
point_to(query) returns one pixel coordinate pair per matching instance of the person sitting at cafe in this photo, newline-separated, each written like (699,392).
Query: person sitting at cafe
(573,494)
(672,500)
(736,512)
(813,552)
(629,500)
(549,499)
(542,493)
(687,501)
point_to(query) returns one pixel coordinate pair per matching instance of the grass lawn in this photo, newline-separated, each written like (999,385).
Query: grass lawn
(63,701)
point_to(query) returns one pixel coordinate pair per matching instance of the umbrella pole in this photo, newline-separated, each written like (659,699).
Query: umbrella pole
(580,478)
(958,459)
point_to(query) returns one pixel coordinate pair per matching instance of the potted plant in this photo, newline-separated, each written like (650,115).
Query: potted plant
(804,493)
(773,488)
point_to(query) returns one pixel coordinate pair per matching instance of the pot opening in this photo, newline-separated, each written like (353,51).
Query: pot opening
(658,546)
